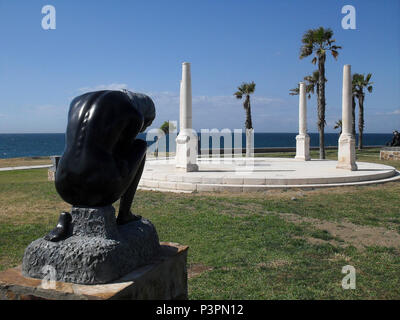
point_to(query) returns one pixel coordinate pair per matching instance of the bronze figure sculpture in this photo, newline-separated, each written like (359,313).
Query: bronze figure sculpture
(103,159)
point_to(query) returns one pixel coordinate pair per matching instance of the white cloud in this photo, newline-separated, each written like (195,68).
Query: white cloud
(172,98)
(390,113)
(164,98)
(111,86)
(219,111)
(220,101)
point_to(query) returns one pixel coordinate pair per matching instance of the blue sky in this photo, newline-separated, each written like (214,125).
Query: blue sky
(140,45)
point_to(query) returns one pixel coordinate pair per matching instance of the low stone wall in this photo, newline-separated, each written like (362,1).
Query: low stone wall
(51,173)
(390,153)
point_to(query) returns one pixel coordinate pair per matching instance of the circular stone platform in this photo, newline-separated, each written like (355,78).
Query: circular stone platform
(259,174)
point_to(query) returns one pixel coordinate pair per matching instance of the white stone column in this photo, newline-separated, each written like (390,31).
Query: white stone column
(187,140)
(302,139)
(249,143)
(347,143)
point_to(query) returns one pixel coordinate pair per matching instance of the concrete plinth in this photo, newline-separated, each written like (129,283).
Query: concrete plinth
(163,279)
(347,153)
(186,151)
(303,147)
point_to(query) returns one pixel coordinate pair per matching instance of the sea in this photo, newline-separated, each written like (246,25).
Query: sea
(47,144)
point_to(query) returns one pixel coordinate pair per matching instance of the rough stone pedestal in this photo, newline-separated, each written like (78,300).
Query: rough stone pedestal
(96,250)
(164,278)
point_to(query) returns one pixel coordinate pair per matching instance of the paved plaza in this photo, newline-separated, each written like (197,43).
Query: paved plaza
(259,174)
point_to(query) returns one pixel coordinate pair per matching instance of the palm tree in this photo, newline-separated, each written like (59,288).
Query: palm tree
(319,41)
(245,90)
(311,84)
(353,107)
(165,127)
(361,82)
(338,124)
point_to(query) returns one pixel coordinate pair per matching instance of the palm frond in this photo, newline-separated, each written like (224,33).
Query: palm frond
(294,91)
(314,60)
(238,95)
(306,50)
(319,41)
(334,54)
(338,124)
(245,89)
(251,87)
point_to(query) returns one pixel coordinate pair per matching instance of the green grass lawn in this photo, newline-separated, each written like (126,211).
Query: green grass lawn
(287,244)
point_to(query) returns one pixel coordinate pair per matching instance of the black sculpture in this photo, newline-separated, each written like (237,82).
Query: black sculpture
(103,160)
(395,140)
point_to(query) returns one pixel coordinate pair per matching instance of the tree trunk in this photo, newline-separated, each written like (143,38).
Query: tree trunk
(246,105)
(353,114)
(156,149)
(321,106)
(360,120)
(249,125)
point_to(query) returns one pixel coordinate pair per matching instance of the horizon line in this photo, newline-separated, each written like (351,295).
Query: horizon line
(200,132)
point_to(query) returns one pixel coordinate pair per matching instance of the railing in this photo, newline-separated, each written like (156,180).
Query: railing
(272,149)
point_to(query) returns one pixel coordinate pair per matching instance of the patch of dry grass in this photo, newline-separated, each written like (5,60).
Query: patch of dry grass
(355,235)
(28,161)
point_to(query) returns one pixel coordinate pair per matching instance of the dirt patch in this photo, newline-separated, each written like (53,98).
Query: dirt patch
(319,241)
(356,235)
(339,257)
(277,263)
(197,269)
